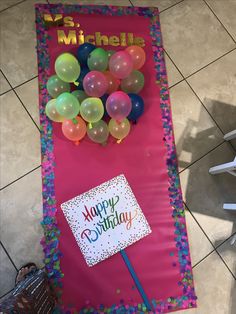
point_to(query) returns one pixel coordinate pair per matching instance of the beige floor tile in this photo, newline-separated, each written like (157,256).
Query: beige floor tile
(200,246)
(215,86)
(4,86)
(18,41)
(228,252)
(161,4)
(21,213)
(28,93)
(7,273)
(215,288)
(4,4)
(20,140)
(225,11)
(193,36)
(173,74)
(98,2)
(195,131)
(205,194)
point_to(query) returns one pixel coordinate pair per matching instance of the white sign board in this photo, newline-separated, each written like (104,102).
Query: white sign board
(106,219)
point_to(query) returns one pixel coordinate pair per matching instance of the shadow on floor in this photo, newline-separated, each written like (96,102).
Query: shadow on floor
(205,193)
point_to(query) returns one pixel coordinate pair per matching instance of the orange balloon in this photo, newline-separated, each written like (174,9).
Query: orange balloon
(113,82)
(138,56)
(74,129)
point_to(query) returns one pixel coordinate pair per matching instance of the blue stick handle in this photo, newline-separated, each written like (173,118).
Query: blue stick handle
(136,280)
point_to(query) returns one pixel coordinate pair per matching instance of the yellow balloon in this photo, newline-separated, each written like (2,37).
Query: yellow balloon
(51,111)
(119,130)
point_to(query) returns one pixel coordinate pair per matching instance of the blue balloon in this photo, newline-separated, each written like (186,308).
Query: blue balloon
(83,72)
(137,107)
(84,51)
(104,99)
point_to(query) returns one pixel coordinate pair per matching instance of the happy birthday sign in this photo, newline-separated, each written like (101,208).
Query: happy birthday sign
(106,219)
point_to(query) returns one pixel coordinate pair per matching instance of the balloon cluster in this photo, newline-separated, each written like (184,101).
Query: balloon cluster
(107,86)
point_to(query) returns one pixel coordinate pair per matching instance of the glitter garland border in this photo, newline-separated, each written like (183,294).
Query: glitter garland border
(50,241)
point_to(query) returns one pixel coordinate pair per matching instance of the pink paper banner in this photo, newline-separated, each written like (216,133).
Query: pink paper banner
(147,157)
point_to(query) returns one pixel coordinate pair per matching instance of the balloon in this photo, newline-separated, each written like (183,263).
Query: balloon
(83,52)
(98,60)
(118,105)
(138,56)
(137,107)
(80,95)
(95,84)
(113,82)
(74,129)
(119,130)
(51,111)
(120,64)
(110,53)
(133,83)
(56,86)
(83,73)
(67,105)
(99,132)
(92,109)
(67,67)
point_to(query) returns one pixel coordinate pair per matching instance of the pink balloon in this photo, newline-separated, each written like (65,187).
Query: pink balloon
(118,105)
(95,84)
(121,64)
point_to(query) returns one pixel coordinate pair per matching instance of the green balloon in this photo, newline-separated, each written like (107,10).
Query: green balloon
(98,60)
(133,83)
(56,86)
(80,95)
(67,67)
(67,105)
(51,111)
(99,132)
(92,109)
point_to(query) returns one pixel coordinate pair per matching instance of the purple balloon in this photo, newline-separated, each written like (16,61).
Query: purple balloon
(118,105)
(95,84)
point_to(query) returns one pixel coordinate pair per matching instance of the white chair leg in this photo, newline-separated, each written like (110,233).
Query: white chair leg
(229,167)
(229,136)
(228,206)
(233,240)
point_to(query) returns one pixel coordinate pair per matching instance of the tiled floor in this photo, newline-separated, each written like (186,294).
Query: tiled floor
(200,43)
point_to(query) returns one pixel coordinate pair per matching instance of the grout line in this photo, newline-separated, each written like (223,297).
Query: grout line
(26,110)
(21,84)
(195,94)
(225,54)
(13,5)
(176,84)
(31,79)
(5,250)
(131,3)
(20,101)
(219,245)
(204,106)
(20,178)
(215,248)
(211,150)
(2,296)
(219,21)
(157,6)
(9,90)
(225,264)
(173,5)
(201,260)
(200,226)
